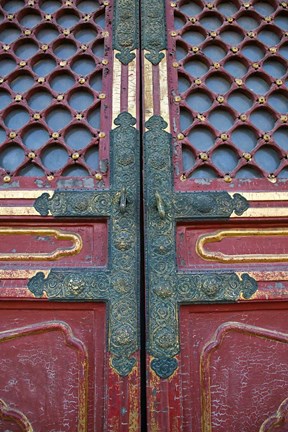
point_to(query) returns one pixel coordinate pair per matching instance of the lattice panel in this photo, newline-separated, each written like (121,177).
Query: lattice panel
(232,100)
(52,58)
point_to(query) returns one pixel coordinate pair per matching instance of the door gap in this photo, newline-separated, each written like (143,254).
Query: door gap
(142,306)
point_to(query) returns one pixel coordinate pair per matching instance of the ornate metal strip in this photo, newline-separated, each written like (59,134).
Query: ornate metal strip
(153,29)
(125,29)
(167,287)
(118,285)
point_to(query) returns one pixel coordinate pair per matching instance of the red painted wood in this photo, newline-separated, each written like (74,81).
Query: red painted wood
(52,364)
(246,367)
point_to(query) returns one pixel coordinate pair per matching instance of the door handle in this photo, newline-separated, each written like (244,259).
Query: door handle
(160,205)
(123,200)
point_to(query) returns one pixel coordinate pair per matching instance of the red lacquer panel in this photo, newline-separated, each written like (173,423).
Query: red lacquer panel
(52,363)
(236,360)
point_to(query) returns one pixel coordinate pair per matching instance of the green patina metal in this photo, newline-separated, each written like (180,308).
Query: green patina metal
(167,287)
(126,29)
(153,22)
(118,285)
(126,26)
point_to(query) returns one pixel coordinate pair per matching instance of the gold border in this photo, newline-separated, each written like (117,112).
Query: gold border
(263,196)
(116,88)
(163,84)
(263,212)
(21,274)
(24,194)
(217,236)
(148,89)
(51,256)
(132,86)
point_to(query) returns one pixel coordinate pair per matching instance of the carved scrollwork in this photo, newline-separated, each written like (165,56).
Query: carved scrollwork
(125,29)
(153,30)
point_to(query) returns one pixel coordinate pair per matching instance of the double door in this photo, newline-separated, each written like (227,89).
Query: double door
(143,192)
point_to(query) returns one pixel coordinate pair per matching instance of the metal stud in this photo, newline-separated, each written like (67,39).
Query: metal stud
(203,156)
(247,156)
(75,156)
(227,178)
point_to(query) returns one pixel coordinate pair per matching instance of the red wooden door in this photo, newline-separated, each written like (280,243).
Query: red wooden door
(215,199)
(215,147)
(69,226)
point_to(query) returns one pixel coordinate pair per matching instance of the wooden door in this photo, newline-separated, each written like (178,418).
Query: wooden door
(215,199)
(215,149)
(69,225)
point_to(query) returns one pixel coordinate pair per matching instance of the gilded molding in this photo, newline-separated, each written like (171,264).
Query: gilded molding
(118,285)
(57,254)
(153,21)
(126,29)
(167,288)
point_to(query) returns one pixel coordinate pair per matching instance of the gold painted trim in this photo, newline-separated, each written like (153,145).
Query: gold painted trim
(148,88)
(132,86)
(51,256)
(23,194)
(21,274)
(116,88)
(263,196)
(217,236)
(18,211)
(263,212)
(273,276)
(163,84)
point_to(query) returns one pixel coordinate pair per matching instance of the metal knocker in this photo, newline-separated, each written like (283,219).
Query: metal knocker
(160,205)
